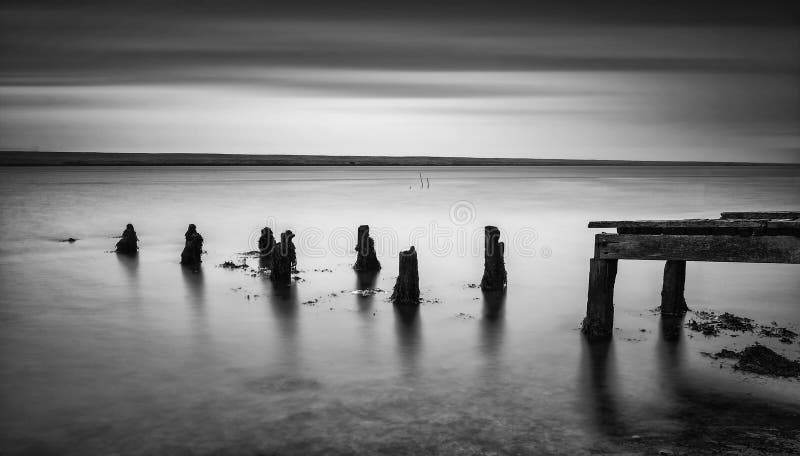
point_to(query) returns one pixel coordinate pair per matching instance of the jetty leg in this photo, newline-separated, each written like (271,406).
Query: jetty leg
(672,299)
(406,289)
(366,260)
(494,268)
(599,321)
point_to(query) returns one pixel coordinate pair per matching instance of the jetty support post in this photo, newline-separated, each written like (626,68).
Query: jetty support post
(406,289)
(673,301)
(283,260)
(366,259)
(494,268)
(599,321)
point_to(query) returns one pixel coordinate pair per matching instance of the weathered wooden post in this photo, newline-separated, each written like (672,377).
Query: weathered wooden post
(599,321)
(494,267)
(406,289)
(128,241)
(266,245)
(366,260)
(283,260)
(672,299)
(193,248)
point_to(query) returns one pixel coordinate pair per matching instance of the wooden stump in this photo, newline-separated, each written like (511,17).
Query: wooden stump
(406,290)
(599,321)
(266,242)
(283,260)
(128,241)
(193,248)
(494,267)
(366,260)
(672,299)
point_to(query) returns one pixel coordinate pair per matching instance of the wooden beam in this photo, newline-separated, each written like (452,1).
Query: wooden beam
(762,215)
(685,223)
(703,227)
(739,249)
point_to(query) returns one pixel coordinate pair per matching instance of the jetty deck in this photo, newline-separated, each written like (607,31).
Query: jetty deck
(742,237)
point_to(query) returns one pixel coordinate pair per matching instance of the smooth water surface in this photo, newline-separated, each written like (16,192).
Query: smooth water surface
(105,354)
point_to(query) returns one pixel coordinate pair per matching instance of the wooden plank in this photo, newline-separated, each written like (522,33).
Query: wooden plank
(705,223)
(761,215)
(703,227)
(739,249)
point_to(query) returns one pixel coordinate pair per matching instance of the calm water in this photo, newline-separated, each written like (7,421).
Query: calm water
(101,354)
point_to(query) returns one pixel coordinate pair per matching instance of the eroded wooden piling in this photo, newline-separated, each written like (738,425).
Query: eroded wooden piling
(599,321)
(673,301)
(193,247)
(128,243)
(406,289)
(283,259)
(266,245)
(494,267)
(366,260)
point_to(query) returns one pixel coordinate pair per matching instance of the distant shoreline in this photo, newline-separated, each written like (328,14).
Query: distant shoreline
(25,158)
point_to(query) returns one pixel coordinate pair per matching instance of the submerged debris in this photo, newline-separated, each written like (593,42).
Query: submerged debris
(232,265)
(707,328)
(710,324)
(785,335)
(731,322)
(70,240)
(367,292)
(761,360)
(722,354)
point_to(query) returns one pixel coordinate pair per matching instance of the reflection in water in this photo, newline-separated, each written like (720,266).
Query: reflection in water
(492,324)
(670,358)
(284,302)
(130,263)
(598,382)
(407,329)
(671,355)
(196,298)
(365,280)
(694,401)
(130,267)
(196,290)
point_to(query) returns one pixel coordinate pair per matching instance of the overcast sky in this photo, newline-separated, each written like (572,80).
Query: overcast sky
(639,79)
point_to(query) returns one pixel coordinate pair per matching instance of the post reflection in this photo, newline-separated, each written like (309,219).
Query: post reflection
(130,269)
(671,356)
(196,298)
(407,330)
(195,290)
(130,265)
(365,280)
(492,324)
(284,303)
(598,380)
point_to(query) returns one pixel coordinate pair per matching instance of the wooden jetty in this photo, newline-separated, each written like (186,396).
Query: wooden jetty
(743,237)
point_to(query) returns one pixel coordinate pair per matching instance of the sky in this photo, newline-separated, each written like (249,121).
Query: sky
(617,79)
